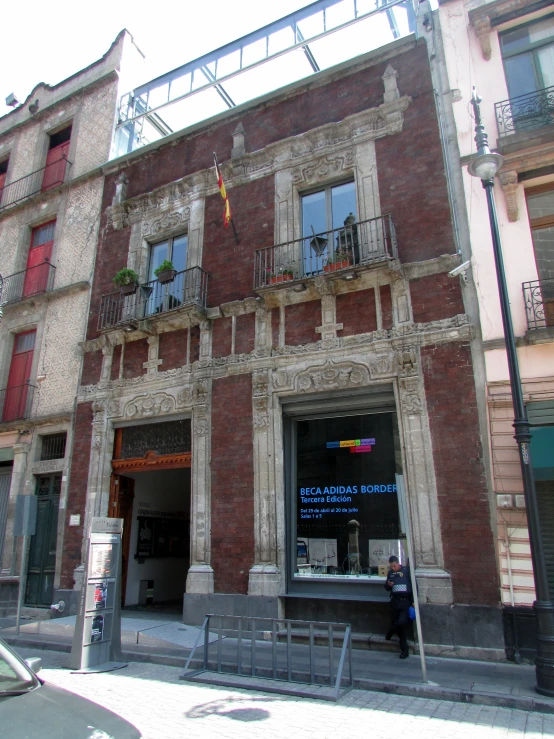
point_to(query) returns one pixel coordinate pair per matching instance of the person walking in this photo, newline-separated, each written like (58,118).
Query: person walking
(399,586)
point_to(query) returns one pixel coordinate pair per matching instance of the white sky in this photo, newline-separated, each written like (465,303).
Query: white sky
(47,42)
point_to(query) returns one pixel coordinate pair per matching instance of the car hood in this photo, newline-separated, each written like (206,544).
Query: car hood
(50,712)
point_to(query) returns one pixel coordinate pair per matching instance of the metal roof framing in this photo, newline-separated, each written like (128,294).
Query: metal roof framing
(229,61)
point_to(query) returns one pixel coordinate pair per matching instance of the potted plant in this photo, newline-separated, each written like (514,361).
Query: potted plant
(283,274)
(339,259)
(127,280)
(165,272)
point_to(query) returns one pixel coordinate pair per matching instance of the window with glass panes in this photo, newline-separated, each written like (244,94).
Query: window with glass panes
(171,295)
(528,54)
(322,212)
(174,250)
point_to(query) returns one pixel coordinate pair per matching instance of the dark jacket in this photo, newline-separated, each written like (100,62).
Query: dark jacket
(401,583)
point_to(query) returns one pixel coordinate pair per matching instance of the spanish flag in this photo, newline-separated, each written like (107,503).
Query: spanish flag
(223,191)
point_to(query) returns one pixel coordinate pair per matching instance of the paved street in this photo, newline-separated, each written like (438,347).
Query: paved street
(163,707)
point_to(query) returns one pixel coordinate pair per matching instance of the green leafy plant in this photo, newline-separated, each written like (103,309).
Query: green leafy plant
(125,277)
(165,266)
(280,271)
(339,255)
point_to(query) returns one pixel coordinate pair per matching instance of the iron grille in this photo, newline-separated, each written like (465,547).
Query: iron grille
(539,303)
(28,282)
(54,174)
(53,446)
(525,112)
(172,437)
(154,298)
(342,248)
(16,402)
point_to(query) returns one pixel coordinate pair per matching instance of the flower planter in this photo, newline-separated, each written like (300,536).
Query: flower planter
(168,275)
(129,289)
(334,266)
(278,278)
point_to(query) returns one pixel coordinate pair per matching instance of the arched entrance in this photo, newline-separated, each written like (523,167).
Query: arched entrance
(151,493)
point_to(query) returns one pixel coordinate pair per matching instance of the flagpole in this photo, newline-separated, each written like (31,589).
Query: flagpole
(235,231)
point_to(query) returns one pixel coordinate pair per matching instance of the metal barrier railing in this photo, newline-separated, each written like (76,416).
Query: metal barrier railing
(525,112)
(28,282)
(326,252)
(262,647)
(42,179)
(189,287)
(539,303)
(16,402)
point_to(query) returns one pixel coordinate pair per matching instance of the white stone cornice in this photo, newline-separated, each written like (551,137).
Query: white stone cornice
(174,197)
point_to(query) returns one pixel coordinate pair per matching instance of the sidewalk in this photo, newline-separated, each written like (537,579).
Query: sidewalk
(165,640)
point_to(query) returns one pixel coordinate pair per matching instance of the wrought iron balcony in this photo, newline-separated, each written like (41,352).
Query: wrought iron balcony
(16,402)
(188,288)
(43,179)
(28,282)
(525,112)
(539,303)
(341,249)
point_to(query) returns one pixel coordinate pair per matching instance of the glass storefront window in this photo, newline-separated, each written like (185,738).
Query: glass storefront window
(346,508)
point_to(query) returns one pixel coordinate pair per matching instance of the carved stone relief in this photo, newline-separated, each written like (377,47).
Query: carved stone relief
(410,396)
(150,404)
(332,376)
(167,222)
(324,168)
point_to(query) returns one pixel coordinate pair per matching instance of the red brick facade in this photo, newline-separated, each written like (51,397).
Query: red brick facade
(222,333)
(301,321)
(462,487)
(357,313)
(136,354)
(78,481)
(232,484)
(173,349)
(436,297)
(92,367)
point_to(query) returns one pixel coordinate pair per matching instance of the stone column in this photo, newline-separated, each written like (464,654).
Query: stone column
(107,359)
(9,564)
(200,577)
(329,327)
(434,584)
(151,366)
(264,575)
(100,470)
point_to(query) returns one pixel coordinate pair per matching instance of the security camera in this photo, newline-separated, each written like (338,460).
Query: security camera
(461,270)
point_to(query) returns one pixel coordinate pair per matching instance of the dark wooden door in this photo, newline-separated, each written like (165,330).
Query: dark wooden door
(42,552)
(15,400)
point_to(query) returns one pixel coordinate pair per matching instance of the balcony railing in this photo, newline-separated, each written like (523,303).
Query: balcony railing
(16,402)
(539,303)
(327,252)
(28,282)
(525,112)
(189,287)
(43,179)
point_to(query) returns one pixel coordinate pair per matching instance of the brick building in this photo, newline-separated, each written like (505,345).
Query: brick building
(254,419)
(51,149)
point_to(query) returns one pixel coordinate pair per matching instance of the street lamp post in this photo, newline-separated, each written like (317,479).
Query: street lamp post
(485,166)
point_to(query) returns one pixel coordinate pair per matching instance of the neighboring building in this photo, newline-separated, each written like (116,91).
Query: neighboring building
(252,418)
(51,150)
(506,49)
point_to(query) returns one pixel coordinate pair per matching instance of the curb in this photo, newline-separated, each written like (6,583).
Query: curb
(499,700)
(420,690)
